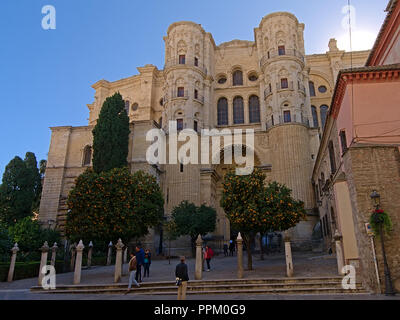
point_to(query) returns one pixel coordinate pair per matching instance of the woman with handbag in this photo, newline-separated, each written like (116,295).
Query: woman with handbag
(132,275)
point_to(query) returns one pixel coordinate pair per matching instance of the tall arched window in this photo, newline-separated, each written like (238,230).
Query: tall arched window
(312,89)
(254,109)
(222,111)
(314,116)
(237,78)
(324,113)
(238,110)
(87,156)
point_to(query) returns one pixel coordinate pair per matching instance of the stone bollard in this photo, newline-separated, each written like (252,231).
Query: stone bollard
(14,251)
(78,262)
(199,259)
(43,261)
(109,253)
(118,261)
(239,242)
(288,255)
(124,259)
(73,251)
(339,252)
(53,254)
(89,255)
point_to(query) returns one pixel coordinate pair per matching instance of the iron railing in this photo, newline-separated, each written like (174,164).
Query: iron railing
(281,53)
(188,62)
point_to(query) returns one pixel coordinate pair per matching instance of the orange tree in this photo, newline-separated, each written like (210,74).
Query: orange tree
(114,204)
(252,206)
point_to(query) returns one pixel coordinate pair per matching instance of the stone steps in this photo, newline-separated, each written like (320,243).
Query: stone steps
(325,285)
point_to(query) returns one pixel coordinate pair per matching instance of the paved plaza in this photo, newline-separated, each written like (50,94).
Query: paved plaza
(305,265)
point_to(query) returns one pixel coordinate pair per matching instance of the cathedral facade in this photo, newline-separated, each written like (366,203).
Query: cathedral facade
(270,85)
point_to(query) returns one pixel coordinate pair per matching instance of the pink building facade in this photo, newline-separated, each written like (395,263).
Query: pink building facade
(360,153)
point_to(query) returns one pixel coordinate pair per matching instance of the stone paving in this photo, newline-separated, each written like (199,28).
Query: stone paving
(305,265)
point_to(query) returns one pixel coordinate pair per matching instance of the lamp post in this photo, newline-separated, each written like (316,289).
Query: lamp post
(376,198)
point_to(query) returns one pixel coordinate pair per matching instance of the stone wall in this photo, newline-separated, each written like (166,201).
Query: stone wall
(367,169)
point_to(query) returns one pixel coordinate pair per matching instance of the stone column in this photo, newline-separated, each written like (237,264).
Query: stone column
(78,262)
(109,253)
(199,259)
(124,258)
(118,261)
(53,254)
(339,252)
(89,255)
(14,251)
(43,261)
(73,251)
(239,242)
(288,255)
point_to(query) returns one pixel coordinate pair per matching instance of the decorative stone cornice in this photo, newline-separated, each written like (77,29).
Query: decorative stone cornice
(382,73)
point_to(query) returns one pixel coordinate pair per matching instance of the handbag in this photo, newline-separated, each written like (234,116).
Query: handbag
(178,282)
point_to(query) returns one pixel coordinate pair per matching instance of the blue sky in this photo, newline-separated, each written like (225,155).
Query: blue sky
(46,75)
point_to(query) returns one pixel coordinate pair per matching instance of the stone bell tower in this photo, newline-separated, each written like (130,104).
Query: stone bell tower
(189,55)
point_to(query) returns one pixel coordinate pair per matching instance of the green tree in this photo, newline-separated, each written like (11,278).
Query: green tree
(5,244)
(252,206)
(111,135)
(17,191)
(192,220)
(34,178)
(114,204)
(30,236)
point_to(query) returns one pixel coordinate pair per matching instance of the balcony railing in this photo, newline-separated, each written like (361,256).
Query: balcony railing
(267,92)
(199,98)
(281,121)
(301,87)
(185,95)
(282,86)
(188,62)
(281,53)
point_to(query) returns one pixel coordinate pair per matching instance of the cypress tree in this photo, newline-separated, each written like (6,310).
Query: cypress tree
(16,192)
(111,135)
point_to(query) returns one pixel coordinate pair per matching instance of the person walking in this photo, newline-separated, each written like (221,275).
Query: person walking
(140,263)
(147,263)
(225,250)
(132,271)
(182,278)
(231,248)
(208,256)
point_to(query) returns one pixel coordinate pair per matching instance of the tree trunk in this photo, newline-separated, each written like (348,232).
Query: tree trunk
(248,240)
(261,248)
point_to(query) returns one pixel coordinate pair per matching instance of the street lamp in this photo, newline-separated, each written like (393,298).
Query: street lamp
(376,198)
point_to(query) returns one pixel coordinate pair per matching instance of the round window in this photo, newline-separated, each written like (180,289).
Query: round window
(253,77)
(135,106)
(222,80)
(322,89)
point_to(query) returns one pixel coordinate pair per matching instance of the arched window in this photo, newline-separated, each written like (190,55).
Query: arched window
(312,89)
(127,106)
(238,110)
(237,78)
(222,111)
(254,109)
(87,156)
(314,116)
(324,113)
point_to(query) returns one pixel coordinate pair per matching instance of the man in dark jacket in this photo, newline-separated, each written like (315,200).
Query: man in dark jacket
(181,273)
(140,262)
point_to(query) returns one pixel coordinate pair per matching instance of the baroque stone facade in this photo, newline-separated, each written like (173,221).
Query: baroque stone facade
(269,85)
